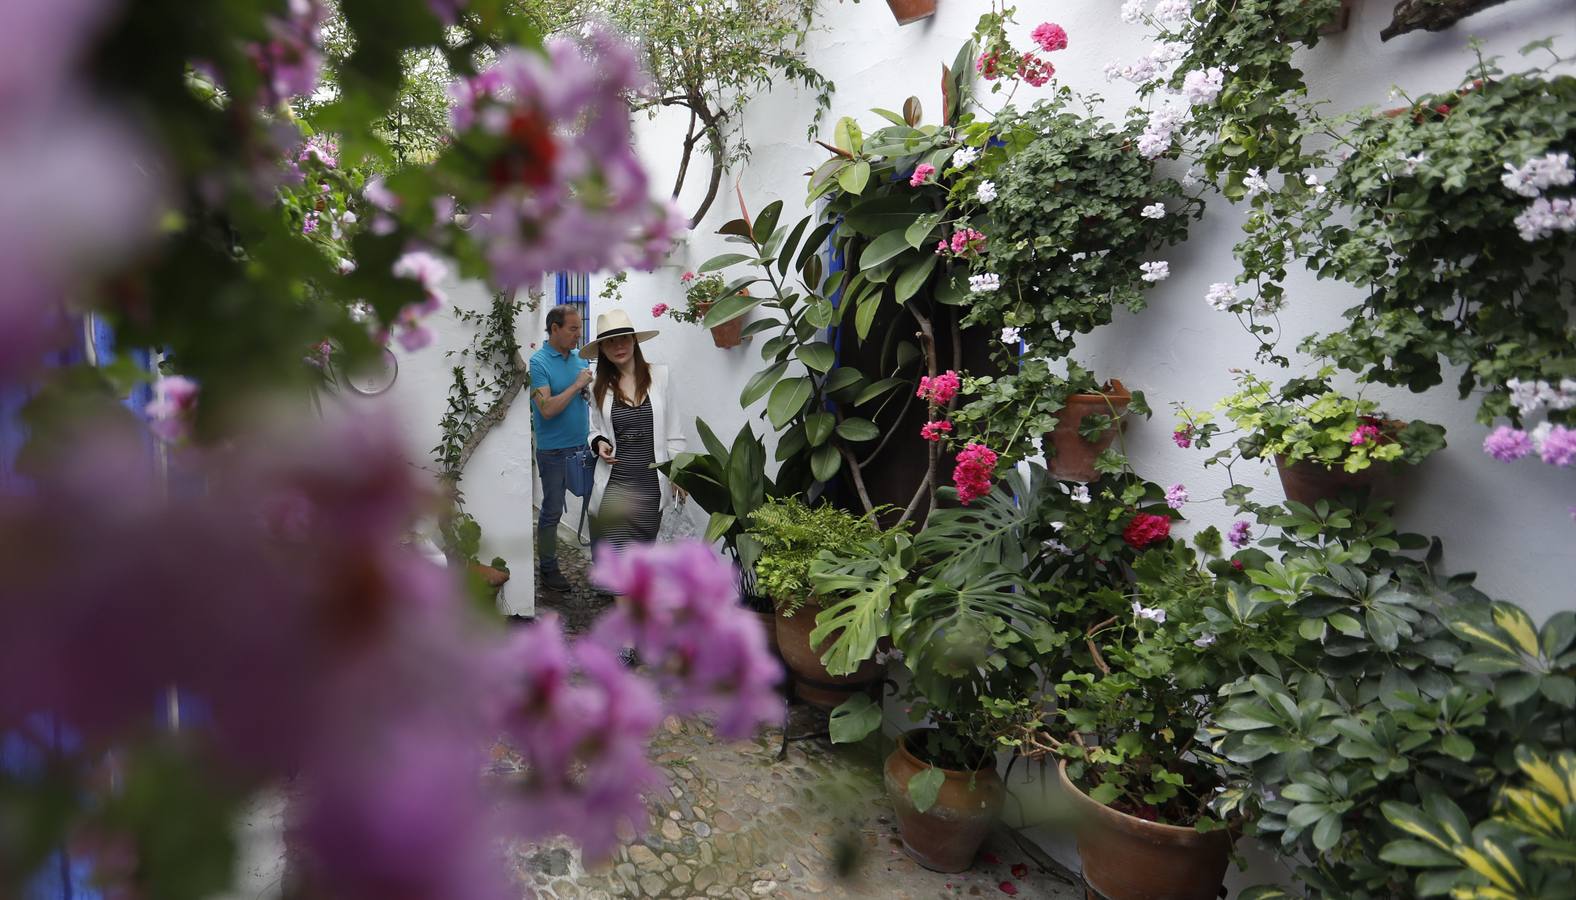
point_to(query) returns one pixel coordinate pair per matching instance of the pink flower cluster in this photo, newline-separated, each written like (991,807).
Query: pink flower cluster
(935,430)
(922,173)
(1146,529)
(347,662)
(1554,444)
(964,242)
(1365,433)
(429,271)
(687,277)
(1050,36)
(172,408)
(1034,70)
(658,310)
(939,390)
(988,65)
(1241,533)
(972,474)
(565,126)
(1183,437)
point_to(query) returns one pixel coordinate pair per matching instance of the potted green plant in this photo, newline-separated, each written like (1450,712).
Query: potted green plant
(1325,444)
(789,534)
(700,296)
(1075,418)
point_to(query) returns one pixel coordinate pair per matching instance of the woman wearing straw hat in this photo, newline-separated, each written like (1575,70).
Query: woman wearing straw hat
(634,426)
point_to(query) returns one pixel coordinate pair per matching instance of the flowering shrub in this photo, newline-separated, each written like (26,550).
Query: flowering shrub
(1488,296)
(1064,258)
(1013,412)
(1306,419)
(972,474)
(701,291)
(997,57)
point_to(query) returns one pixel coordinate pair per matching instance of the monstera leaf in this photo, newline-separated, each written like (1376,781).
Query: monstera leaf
(867,580)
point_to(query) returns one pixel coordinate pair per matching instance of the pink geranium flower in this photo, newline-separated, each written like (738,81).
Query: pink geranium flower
(922,172)
(1050,36)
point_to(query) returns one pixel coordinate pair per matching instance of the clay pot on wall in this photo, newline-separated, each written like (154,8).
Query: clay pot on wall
(1308,482)
(906,11)
(945,837)
(728,334)
(1128,858)
(812,683)
(1074,456)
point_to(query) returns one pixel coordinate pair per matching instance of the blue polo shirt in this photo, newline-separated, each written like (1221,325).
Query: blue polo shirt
(557,372)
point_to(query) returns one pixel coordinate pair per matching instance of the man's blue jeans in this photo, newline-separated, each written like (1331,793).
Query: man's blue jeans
(553,465)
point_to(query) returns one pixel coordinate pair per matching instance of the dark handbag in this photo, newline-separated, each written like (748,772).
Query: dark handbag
(581,476)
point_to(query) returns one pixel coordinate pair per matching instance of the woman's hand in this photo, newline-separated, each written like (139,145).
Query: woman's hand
(604,450)
(680,494)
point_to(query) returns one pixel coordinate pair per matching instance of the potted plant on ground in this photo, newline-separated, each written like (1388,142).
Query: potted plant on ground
(1131,712)
(789,534)
(1326,445)
(702,294)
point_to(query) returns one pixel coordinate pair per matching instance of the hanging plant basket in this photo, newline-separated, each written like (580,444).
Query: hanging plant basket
(1074,456)
(1128,858)
(906,11)
(728,334)
(1307,482)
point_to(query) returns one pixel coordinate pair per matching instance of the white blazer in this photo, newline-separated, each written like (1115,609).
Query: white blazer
(667,435)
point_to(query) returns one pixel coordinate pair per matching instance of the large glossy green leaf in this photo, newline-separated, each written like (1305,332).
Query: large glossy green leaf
(729,308)
(913,277)
(858,430)
(818,355)
(917,233)
(722,261)
(825,462)
(718,525)
(818,427)
(714,445)
(885,212)
(766,222)
(790,245)
(813,245)
(841,380)
(865,314)
(871,392)
(787,399)
(854,719)
(883,248)
(924,788)
(953,288)
(792,442)
(853,178)
(859,584)
(762,382)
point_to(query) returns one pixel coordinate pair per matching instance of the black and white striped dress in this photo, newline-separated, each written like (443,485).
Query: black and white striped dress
(631,510)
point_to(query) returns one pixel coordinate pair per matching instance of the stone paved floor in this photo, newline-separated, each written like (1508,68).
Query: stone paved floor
(736,822)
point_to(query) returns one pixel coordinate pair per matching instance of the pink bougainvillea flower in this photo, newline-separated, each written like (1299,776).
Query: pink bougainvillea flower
(1050,36)
(936,430)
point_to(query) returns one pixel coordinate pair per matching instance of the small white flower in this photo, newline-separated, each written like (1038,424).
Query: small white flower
(345,265)
(1080,494)
(965,156)
(1539,174)
(1156,271)
(1254,183)
(1222,294)
(1202,86)
(1154,211)
(984,283)
(1079,256)
(1409,164)
(1543,217)
(1204,641)
(1132,10)
(1173,11)
(1191,178)
(1312,180)
(1152,613)
(1539,435)
(986,191)
(1009,335)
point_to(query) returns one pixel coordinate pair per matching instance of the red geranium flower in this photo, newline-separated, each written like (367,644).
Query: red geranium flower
(1146,529)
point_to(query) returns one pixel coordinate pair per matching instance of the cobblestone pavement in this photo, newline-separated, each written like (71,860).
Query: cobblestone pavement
(736,822)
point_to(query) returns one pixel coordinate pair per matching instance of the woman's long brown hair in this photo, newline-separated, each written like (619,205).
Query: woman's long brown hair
(607,376)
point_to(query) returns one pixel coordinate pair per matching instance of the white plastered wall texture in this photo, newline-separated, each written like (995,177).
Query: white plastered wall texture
(1508,523)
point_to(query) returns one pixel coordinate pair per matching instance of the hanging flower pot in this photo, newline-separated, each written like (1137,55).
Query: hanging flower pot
(1128,858)
(728,334)
(1308,482)
(906,11)
(1073,455)
(812,682)
(945,837)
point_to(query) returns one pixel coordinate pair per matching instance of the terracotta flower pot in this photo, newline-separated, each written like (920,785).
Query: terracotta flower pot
(906,11)
(1308,482)
(1128,858)
(812,683)
(1074,456)
(726,335)
(945,837)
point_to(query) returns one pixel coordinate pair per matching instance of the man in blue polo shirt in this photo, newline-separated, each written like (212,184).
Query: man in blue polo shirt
(560,415)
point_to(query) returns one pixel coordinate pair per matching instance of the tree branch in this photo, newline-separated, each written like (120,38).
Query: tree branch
(520,373)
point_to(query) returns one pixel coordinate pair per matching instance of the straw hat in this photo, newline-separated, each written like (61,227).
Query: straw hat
(613,324)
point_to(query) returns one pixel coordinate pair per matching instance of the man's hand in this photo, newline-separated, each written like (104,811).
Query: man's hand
(584,378)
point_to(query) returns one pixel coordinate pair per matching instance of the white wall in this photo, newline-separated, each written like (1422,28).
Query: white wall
(1507,522)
